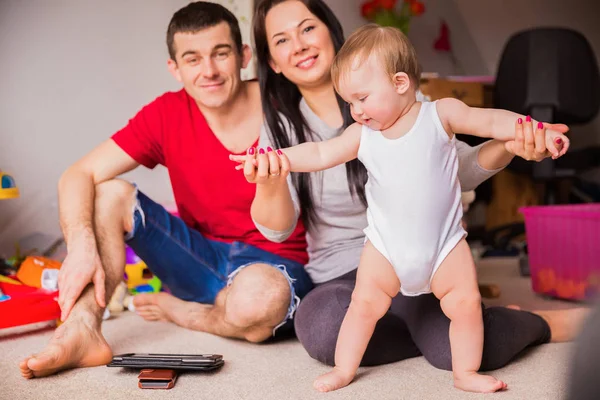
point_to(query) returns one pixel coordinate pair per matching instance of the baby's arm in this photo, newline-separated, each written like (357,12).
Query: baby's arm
(317,156)
(457,117)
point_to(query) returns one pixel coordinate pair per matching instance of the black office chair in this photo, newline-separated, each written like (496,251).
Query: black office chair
(552,75)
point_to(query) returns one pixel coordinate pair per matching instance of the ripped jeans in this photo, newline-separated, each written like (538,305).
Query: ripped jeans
(195,268)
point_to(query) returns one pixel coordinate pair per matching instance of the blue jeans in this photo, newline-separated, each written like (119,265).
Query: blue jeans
(195,268)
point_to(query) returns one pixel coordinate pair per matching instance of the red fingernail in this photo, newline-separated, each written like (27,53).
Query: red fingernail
(520,121)
(540,125)
(251,151)
(269,148)
(279,152)
(528,118)
(261,151)
(558,140)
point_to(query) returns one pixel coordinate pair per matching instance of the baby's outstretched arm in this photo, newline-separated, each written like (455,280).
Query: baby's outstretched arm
(318,156)
(457,117)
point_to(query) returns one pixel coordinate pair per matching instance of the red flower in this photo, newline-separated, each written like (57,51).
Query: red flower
(368,9)
(442,43)
(417,8)
(387,4)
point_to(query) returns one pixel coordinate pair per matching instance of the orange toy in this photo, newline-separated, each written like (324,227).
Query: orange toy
(30,271)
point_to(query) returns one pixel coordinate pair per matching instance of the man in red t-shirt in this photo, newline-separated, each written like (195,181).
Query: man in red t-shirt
(224,276)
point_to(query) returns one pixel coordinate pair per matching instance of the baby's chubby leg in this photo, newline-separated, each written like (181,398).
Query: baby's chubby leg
(455,284)
(376,285)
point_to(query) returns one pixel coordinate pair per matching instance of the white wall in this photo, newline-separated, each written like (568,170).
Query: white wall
(73,73)
(424,31)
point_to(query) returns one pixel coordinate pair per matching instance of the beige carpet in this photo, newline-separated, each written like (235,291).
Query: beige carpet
(282,370)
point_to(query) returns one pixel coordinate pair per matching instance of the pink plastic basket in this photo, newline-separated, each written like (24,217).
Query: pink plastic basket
(564,249)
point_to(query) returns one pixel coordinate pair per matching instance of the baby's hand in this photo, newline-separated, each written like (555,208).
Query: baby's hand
(260,167)
(548,140)
(243,159)
(556,142)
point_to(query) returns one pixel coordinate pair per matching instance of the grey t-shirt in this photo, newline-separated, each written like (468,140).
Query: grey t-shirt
(335,242)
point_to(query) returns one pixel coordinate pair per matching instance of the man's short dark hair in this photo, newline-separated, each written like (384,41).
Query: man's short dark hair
(201,15)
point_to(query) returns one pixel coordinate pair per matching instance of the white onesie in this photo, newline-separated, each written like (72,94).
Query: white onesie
(414,210)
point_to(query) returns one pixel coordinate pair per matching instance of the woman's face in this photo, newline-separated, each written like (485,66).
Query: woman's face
(299,43)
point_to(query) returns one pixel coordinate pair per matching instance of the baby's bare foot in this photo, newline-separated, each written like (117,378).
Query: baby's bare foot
(474,382)
(336,379)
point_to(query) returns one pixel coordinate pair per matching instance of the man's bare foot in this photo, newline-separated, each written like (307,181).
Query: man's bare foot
(564,324)
(76,343)
(336,379)
(474,382)
(147,306)
(166,307)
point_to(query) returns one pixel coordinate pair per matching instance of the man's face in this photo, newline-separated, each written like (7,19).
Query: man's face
(208,64)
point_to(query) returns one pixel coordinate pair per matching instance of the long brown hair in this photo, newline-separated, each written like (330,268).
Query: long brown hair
(282,97)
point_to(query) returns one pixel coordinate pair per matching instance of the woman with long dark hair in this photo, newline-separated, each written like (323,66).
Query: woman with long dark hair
(296,41)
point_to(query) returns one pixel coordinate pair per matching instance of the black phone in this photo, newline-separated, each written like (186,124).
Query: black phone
(197,362)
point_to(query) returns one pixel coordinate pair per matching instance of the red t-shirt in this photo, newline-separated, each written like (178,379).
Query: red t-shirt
(211,195)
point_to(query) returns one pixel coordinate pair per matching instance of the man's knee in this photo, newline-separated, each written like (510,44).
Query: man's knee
(114,197)
(258,300)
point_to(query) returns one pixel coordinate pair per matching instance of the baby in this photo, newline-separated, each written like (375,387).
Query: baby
(415,242)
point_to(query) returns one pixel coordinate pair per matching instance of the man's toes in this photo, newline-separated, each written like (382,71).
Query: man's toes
(144,299)
(149,316)
(25,371)
(42,361)
(143,309)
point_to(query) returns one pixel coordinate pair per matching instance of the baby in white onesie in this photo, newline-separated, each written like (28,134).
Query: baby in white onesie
(414,240)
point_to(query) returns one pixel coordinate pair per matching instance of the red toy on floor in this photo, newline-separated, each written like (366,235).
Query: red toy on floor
(27,305)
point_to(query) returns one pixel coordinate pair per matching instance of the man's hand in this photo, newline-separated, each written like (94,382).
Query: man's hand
(81,266)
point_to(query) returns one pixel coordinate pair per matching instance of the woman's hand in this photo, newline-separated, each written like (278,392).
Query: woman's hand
(263,167)
(547,141)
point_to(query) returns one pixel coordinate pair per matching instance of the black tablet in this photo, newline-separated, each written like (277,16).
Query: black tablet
(197,362)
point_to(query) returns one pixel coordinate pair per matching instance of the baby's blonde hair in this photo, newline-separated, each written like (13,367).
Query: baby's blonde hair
(391,47)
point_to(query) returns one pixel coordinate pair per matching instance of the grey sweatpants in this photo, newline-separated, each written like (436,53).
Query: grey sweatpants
(413,326)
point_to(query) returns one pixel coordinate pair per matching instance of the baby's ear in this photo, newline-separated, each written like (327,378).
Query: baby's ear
(401,82)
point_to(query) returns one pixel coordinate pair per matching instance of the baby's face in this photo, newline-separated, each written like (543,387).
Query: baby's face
(371,94)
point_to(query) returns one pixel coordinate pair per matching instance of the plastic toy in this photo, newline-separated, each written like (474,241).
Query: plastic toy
(8,188)
(6,279)
(153,286)
(32,271)
(116,304)
(138,277)
(27,305)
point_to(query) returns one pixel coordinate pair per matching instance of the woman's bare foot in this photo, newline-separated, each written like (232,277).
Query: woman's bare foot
(474,382)
(76,343)
(564,324)
(166,307)
(336,379)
